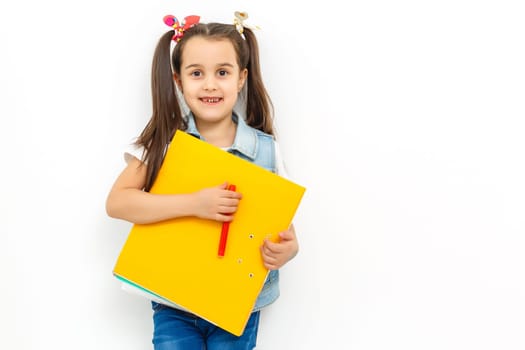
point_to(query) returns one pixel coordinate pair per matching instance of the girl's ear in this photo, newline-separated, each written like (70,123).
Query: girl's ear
(177,81)
(242,78)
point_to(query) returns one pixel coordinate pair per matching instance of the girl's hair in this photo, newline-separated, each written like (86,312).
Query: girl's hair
(167,114)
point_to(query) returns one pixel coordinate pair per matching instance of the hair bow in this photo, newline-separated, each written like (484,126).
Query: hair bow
(239,23)
(180,28)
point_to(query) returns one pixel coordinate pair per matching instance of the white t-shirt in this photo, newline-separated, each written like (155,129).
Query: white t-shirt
(134,151)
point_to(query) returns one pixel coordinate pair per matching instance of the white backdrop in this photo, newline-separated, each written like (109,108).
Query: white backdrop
(404,120)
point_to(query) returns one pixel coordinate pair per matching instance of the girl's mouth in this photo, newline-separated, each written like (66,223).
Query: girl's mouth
(211,99)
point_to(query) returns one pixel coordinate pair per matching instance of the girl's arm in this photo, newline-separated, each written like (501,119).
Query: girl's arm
(129,202)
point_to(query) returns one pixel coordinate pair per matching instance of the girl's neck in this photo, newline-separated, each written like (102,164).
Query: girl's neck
(220,134)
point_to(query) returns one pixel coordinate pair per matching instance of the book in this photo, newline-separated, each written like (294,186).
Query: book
(177,260)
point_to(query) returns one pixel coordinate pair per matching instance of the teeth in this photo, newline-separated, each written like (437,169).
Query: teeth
(211,100)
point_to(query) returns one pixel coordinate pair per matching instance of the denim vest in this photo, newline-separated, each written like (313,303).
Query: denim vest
(259,148)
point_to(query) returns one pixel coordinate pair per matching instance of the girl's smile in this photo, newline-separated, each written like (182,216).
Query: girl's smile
(211,100)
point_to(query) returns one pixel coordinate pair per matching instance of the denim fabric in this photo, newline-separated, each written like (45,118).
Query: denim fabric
(270,291)
(257,147)
(250,144)
(180,330)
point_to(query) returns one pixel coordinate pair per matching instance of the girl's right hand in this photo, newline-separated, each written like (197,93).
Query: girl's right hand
(216,203)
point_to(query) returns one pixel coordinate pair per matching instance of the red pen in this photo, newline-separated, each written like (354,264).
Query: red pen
(224,230)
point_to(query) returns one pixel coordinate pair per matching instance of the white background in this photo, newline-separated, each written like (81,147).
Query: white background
(404,120)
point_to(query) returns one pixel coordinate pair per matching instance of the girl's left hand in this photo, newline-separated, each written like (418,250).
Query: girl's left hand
(276,254)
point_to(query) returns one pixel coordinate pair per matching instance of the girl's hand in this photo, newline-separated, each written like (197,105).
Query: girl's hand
(275,255)
(216,203)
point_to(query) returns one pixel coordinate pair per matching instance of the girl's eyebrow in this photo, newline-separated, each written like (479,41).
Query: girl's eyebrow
(196,65)
(225,65)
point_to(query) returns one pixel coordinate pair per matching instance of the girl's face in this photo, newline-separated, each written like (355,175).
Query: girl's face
(210,79)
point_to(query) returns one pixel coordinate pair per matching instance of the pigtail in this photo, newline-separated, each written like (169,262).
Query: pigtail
(166,117)
(259,107)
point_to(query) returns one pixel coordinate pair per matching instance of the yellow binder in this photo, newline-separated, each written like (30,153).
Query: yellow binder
(177,260)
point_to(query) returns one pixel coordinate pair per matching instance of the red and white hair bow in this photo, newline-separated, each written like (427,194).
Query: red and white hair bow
(180,28)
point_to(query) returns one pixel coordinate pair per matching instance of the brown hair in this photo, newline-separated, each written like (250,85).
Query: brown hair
(167,116)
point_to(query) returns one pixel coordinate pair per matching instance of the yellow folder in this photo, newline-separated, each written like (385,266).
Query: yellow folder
(177,260)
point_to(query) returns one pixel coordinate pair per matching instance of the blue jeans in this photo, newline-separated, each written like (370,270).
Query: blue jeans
(179,330)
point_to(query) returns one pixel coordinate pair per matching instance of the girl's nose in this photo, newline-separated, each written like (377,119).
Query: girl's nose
(210,84)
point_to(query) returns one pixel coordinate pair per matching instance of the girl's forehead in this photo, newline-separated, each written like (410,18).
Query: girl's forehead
(200,50)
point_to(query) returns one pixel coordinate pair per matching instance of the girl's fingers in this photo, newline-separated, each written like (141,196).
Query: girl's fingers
(271,247)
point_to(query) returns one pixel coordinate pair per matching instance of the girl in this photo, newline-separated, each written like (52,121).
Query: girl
(210,65)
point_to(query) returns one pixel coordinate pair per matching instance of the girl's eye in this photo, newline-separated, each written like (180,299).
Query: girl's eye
(223,73)
(196,73)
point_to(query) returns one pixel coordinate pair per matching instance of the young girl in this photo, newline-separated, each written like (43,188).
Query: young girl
(210,65)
